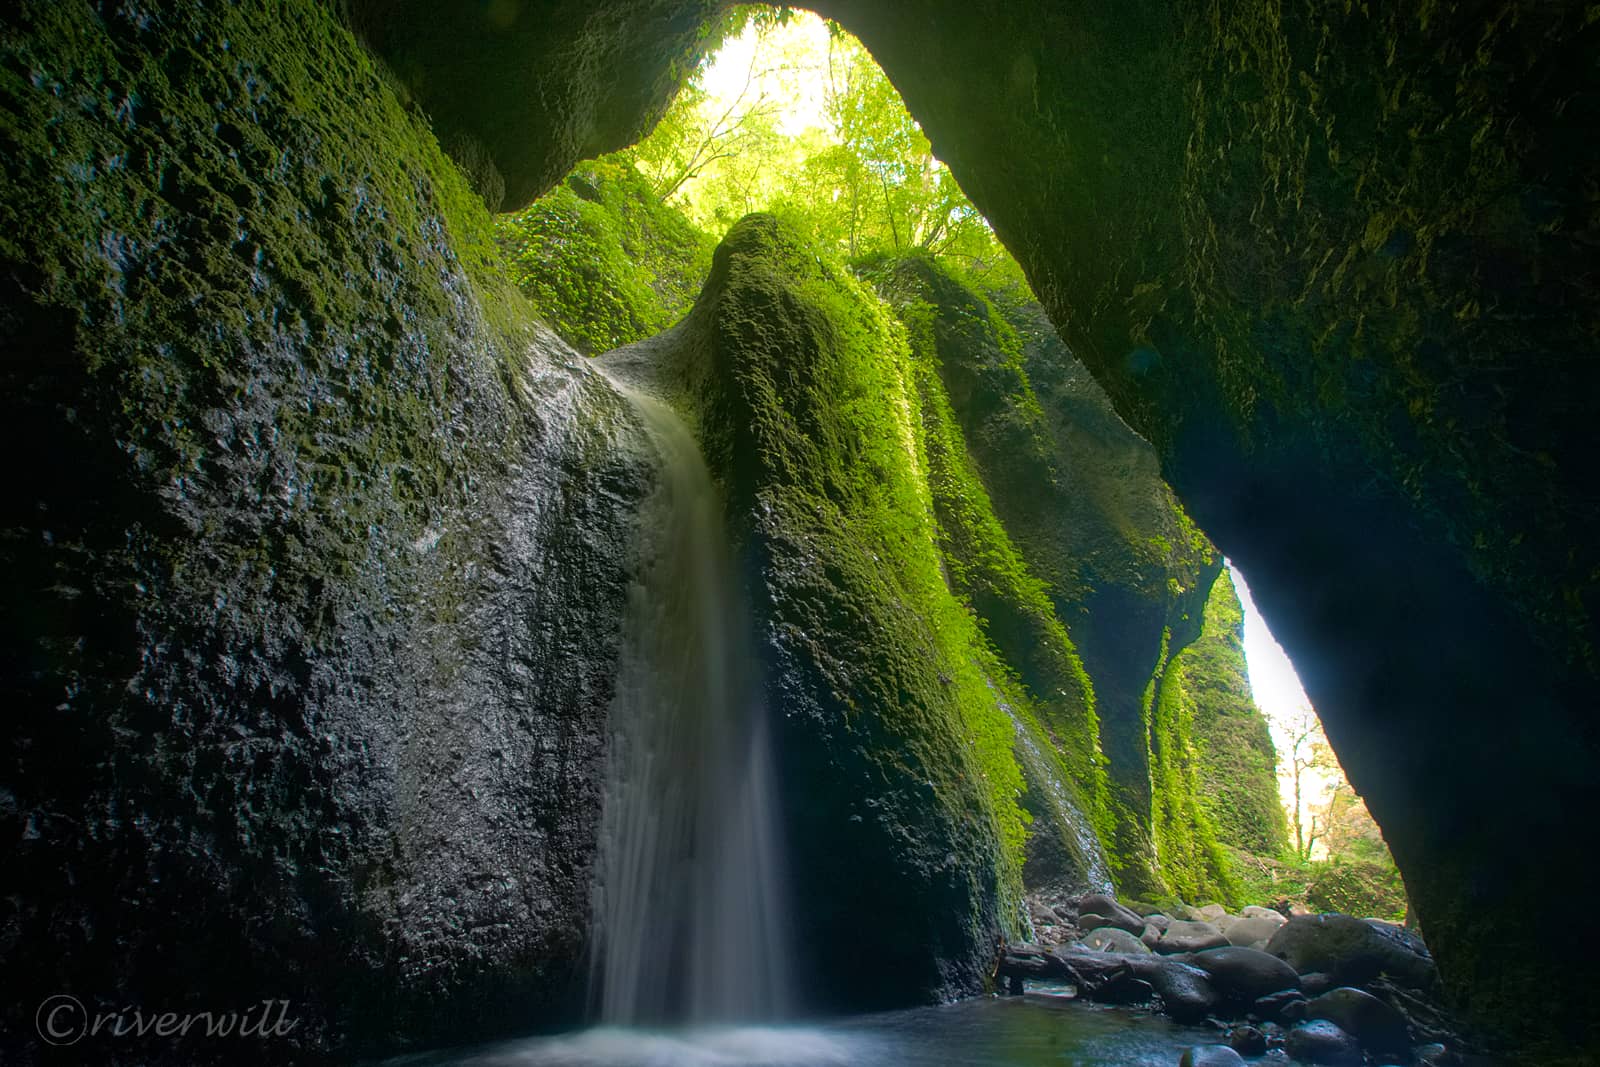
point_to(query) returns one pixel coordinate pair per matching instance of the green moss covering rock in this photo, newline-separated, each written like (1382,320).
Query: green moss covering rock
(1237,763)
(895,747)
(602,260)
(1086,573)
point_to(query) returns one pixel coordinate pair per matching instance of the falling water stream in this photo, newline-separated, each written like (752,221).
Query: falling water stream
(689,901)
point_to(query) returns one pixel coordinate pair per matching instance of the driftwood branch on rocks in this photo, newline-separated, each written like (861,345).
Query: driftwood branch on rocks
(1087,971)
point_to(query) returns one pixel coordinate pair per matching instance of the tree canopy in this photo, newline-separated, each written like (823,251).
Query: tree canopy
(796,117)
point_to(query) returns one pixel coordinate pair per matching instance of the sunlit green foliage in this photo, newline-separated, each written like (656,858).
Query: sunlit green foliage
(1358,887)
(858,174)
(1192,862)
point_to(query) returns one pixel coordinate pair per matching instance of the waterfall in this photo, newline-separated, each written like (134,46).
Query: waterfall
(1040,771)
(688,898)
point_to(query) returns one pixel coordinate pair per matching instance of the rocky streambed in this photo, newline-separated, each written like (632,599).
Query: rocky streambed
(1318,989)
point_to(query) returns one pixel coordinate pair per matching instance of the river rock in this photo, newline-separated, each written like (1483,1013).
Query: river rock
(1212,912)
(1125,990)
(1378,1026)
(1251,933)
(1187,993)
(1247,1040)
(1112,913)
(1323,1042)
(1151,936)
(1352,951)
(1256,911)
(1276,1006)
(1110,939)
(1158,920)
(1043,914)
(1183,936)
(1317,983)
(1210,1056)
(1244,975)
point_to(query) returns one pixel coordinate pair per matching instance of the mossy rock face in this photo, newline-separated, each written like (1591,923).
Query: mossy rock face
(603,260)
(1237,763)
(316,548)
(896,756)
(1080,496)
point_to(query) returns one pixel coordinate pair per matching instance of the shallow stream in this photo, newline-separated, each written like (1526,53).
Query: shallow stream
(1031,1031)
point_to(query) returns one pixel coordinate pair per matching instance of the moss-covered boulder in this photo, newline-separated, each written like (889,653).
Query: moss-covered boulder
(315,550)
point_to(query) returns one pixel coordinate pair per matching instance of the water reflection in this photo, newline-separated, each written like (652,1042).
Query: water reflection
(1031,1031)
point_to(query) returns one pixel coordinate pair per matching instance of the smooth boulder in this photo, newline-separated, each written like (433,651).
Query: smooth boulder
(1252,932)
(1377,1025)
(1110,939)
(1187,993)
(1352,951)
(1185,936)
(1256,911)
(1323,1042)
(1111,913)
(1244,974)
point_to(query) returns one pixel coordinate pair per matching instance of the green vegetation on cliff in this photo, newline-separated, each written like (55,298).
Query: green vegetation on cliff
(1079,577)
(899,753)
(1237,761)
(277,391)
(603,260)
(1190,863)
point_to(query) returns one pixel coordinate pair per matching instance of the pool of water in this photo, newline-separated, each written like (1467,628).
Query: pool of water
(1028,1031)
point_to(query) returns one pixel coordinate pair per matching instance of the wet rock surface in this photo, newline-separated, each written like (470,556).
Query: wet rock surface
(1263,1006)
(1376,1025)
(1352,951)
(1245,974)
(1323,1042)
(317,570)
(1210,1056)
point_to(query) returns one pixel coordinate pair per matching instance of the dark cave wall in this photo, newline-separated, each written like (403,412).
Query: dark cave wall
(520,90)
(315,550)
